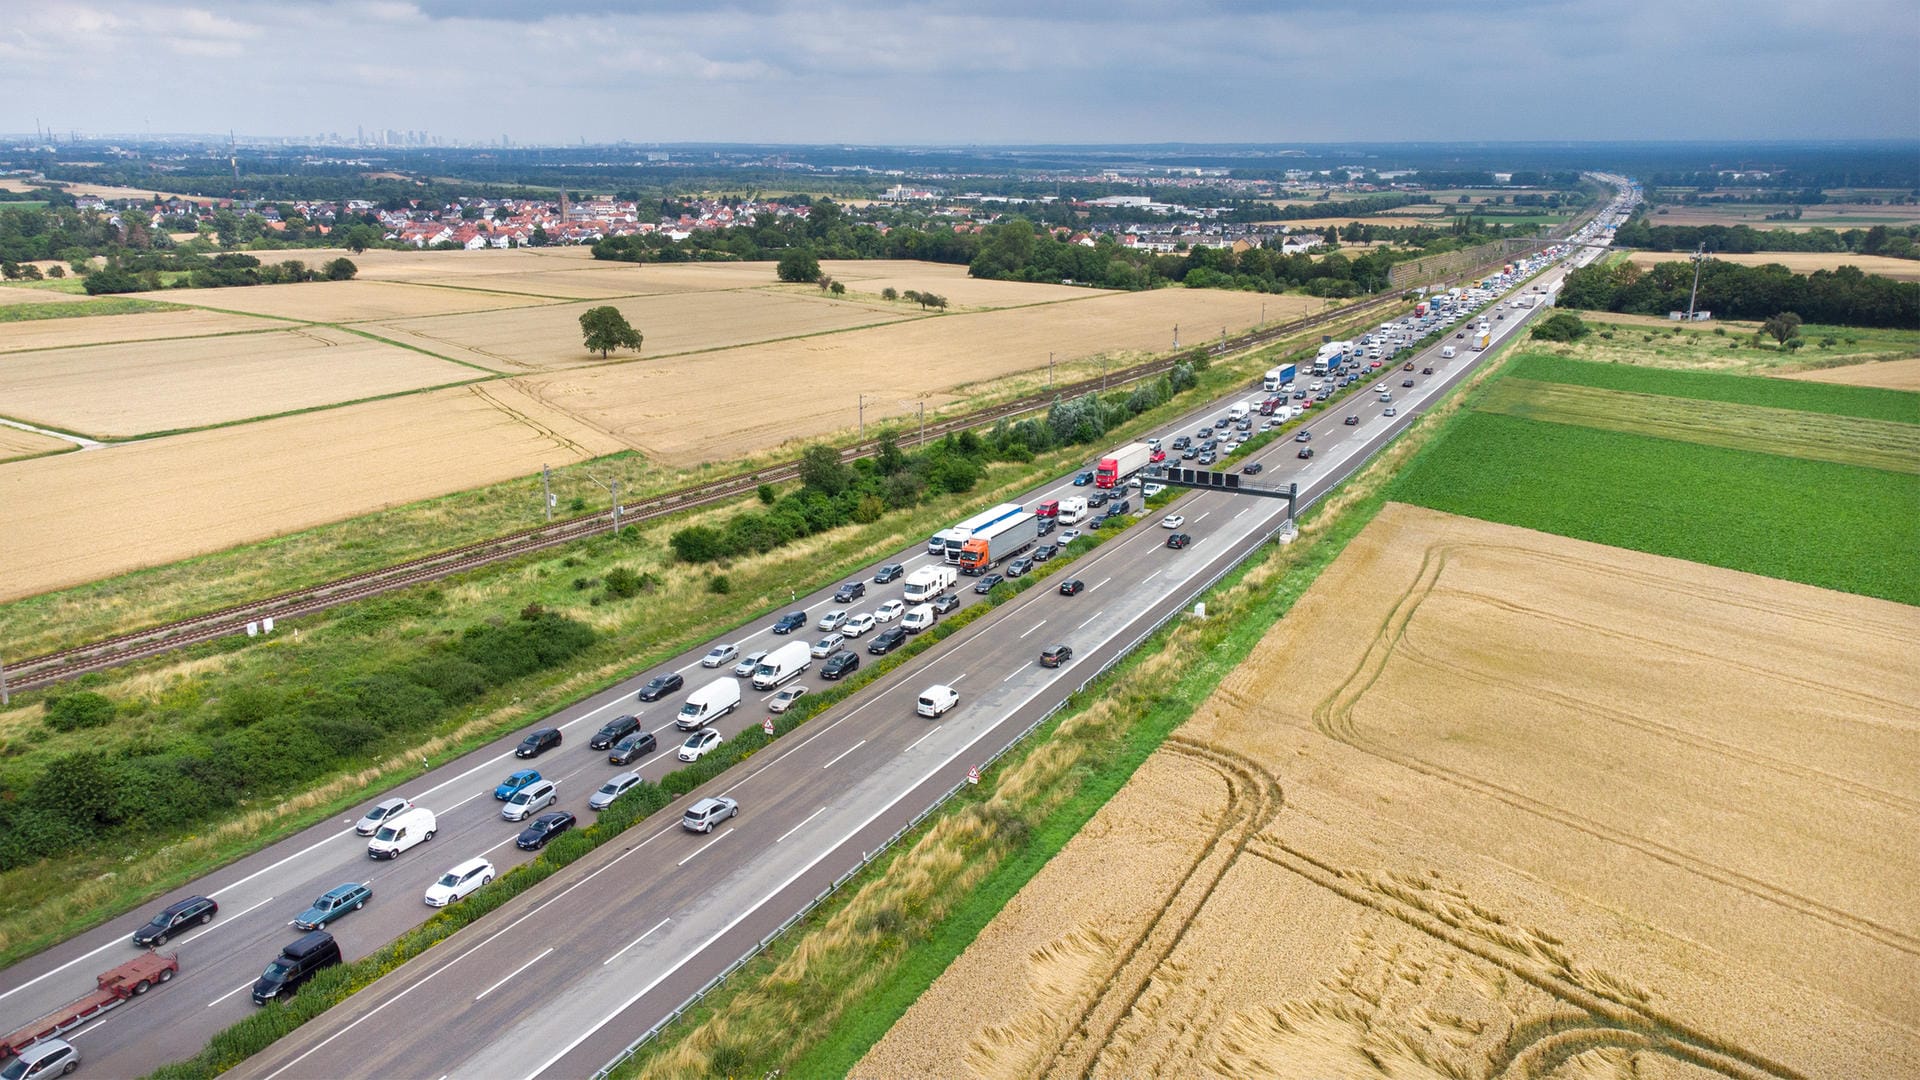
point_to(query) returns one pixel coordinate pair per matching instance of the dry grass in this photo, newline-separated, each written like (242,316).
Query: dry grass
(806,387)
(136,326)
(1888,374)
(20,294)
(1550,809)
(1850,440)
(78,517)
(193,382)
(547,338)
(104,191)
(1800,262)
(339,301)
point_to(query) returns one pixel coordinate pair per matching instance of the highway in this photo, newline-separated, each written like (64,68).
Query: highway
(558,981)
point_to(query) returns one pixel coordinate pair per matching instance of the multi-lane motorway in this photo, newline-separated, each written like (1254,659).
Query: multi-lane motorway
(559,980)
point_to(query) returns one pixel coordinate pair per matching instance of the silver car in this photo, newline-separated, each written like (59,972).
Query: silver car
(748,662)
(705,814)
(614,788)
(381,811)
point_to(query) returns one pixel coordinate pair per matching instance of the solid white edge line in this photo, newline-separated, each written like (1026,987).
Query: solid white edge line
(844,753)
(1010,675)
(1090,618)
(228,994)
(697,852)
(537,958)
(641,938)
(1034,627)
(803,821)
(913,744)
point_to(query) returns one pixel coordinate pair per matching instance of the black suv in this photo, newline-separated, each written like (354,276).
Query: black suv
(1124,506)
(538,743)
(1098,498)
(851,591)
(618,728)
(944,603)
(1045,552)
(844,662)
(890,639)
(791,621)
(660,686)
(634,745)
(174,917)
(985,585)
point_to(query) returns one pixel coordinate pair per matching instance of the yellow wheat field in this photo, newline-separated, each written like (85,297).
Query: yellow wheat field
(76,517)
(1888,374)
(1800,262)
(341,301)
(15,443)
(1488,803)
(118,391)
(136,326)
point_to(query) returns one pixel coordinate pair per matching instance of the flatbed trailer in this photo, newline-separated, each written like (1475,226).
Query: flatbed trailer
(112,989)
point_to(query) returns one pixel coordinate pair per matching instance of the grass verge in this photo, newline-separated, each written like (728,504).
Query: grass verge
(106,305)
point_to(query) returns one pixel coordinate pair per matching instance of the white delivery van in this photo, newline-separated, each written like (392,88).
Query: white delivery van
(402,831)
(1072,510)
(917,618)
(1446,352)
(937,699)
(709,703)
(782,664)
(1239,412)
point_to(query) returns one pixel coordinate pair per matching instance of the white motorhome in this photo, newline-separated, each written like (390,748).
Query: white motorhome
(709,703)
(929,582)
(1072,510)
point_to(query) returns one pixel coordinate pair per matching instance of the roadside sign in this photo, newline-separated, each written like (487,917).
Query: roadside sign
(973,774)
(767,725)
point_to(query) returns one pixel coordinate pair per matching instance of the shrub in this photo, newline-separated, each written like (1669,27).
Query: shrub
(82,709)
(765,491)
(719,584)
(622,583)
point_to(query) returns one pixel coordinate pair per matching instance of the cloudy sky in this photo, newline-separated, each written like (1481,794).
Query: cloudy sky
(958,71)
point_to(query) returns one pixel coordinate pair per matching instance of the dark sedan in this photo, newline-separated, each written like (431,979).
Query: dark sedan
(1306,452)
(791,621)
(844,662)
(660,686)
(889,572)
(543,829)
(1045,552)
(888,640)
(1252,467)
(985,585)
(538,743)
(1406,382)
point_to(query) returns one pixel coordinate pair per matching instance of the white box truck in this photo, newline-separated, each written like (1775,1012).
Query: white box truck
(707,704)
(929,582)
(782,664)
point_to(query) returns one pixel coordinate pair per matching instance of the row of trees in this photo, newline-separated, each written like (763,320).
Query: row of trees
(258,742)
(1843,297)
(1900,243)
(833,493)
(143,274)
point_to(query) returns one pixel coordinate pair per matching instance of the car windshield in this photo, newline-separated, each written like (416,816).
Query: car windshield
(386,833)
(276,972)
(161,921)
(518,797)
(610,789)
(451,879)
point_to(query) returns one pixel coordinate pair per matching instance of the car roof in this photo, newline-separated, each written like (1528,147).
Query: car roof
(624,778)
(344,890)
(181,905)
(709,803)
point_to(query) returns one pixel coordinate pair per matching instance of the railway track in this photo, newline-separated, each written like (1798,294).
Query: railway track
(123,648)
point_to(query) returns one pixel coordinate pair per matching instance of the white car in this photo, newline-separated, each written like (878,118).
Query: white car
(1068,536)
(825,646)
(748,662)
(832,619)
(784,700)
(370,824)
(1152,489)
(456,883)
(698,744)
(719,655)
(890,611)
(857,624)
(1172,521)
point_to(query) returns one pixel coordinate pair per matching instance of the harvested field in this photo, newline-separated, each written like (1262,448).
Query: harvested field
(966,292)
(1849,440)
(1392,219)
(15,443)
(1886,374)
(78,517)
(1488,803)
(139,326)
(16,294)
(812,379)
(1836,216)
(193,382)
(544,338)
(1800,262)
(341,301)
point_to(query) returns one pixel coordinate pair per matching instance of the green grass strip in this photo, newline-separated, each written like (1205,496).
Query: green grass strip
(1870,402)
(106,305)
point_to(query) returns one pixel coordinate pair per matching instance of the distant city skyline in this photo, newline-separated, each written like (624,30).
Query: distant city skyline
(991,72)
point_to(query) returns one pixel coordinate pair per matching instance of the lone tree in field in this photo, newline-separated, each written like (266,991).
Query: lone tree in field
(606,329)
(1782,326)
(798,265)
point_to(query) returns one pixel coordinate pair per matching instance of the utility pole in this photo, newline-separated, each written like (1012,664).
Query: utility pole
(4,698)
(1176,335)
(1699,257)
(922,406)
(863,417)
(1049,371)
(613,487)
(546,490)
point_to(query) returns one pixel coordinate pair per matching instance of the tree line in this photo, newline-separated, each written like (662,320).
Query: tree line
(1899,243)
(1843,297)
(142,273)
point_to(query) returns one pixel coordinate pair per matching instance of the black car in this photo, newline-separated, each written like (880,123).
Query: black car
(889,572)
(173,918)
(1055,655)
(1252,467)
(851,591)
(1306,452)
(1124,506)
(888,640)
(1098,498)
(660,686)
(1019,566)
(1182,442)
(1071,587)
(542,829)
(791,621)
(1351,420)
(1426,371)
(1047,525)
(616,729)
(634,745)
(1461,334)
(944,603)
(844,662)
(1179,540)
(538,743)
(1045,552)
(985,585)
(1406,382)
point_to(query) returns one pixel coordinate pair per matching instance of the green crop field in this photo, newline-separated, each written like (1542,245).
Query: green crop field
(1835,526)
(1849,440)
(1862,401)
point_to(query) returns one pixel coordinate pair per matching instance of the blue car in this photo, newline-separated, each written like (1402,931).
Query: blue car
(514,783)
(1083,479)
